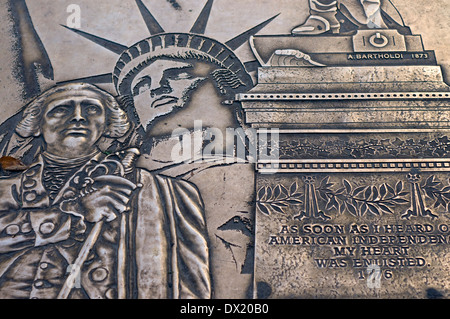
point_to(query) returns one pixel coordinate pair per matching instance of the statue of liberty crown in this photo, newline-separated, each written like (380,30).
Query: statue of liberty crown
(181,45)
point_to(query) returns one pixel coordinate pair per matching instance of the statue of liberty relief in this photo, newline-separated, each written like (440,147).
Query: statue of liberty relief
(159,79)
(83,206)
(364,14)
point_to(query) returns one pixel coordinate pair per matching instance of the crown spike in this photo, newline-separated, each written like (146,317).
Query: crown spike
(238,41)
(152,24)
(199,26)
(107,44)
(94,79)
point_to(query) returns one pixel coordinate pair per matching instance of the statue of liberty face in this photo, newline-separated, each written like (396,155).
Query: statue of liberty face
(162,86)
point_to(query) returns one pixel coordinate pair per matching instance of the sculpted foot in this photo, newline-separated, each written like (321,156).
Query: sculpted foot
(322,19)
(316,24)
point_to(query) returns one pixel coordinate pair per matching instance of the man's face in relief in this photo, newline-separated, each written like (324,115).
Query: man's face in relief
(72,123)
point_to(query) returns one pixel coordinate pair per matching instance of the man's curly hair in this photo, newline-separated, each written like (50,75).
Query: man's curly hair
(118,123)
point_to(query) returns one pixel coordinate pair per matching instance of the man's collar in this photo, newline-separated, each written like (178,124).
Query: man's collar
(34,194)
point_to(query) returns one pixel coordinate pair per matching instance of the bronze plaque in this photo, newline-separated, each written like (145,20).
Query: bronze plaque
(246,149)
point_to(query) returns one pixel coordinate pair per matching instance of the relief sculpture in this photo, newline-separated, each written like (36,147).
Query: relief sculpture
(215,149)
(83,220)
(49,210)
(360,181)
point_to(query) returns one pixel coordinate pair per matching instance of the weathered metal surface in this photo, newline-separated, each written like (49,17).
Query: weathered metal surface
(216,149)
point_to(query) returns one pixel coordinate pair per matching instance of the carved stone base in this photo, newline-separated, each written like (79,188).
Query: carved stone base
(353,235)
(354,200)
(355,215)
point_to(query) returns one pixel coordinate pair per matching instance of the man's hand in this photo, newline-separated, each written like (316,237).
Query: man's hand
(109,198)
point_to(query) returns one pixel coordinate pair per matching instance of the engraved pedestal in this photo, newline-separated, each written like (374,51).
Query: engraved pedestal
(356,202)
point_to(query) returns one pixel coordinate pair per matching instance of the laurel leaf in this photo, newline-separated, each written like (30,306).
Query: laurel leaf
(358,190)
(373,209)
(385,209)
(293,188)
(263,209)
(348,186)
(375,192)
(390,189)
(269,193)
(284,191)
(351,209)
(398,187)
(294,201)
(261,193)
(277,192)
(278,209)
(383,191)
(364,209)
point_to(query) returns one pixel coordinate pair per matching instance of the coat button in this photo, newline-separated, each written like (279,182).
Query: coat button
(31,172)
(99,274)
(12,230)
(46,228)
(111,293)
(41,284)
(44,265)
(69,194)
(26,228)
(30,196)
(29,183)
